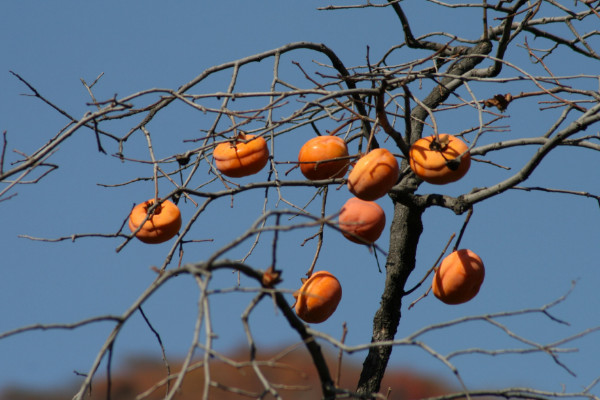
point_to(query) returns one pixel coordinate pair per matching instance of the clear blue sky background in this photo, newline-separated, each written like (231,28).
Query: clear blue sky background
(533,245)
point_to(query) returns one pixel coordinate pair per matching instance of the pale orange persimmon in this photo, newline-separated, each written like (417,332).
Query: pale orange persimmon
(373,175)
(162,225)
(318,297)
(361,221)
(459,277)
(433,159)
(246,155)
(323,148)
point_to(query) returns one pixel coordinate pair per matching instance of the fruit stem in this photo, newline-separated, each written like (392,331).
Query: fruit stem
(462,230)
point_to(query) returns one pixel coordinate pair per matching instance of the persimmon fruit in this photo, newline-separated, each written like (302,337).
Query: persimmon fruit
(361,221)
(373,175)
(162,225)
(435,159)
(459,277)
(314,153)
(318,297)
(246,155)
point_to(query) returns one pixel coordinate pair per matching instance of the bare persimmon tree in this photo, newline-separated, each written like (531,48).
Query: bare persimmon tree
(393,100)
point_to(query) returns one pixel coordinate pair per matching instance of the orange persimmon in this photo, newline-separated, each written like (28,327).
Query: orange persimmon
(162,225)
(459,277)
(373,175)
(246,155)
(362,221)
(433,159)
(318,297)
(319,149)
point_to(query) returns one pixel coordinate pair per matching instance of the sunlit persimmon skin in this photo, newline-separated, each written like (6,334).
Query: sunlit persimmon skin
(318,297)
(373,175)
(430,162)
(323,148)
(245,156)
(162,225)
(459,277)
(364,219)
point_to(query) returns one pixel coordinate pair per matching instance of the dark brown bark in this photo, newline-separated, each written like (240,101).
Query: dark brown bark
(404,237)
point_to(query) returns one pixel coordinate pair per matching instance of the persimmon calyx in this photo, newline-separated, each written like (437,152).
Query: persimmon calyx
(243,138)
(239,137)
(157,209)
(440,144)
(271,277)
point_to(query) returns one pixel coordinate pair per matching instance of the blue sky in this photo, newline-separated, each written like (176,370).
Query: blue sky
(533,244)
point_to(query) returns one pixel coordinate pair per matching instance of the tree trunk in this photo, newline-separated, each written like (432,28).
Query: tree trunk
(404,236)
(405,233)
